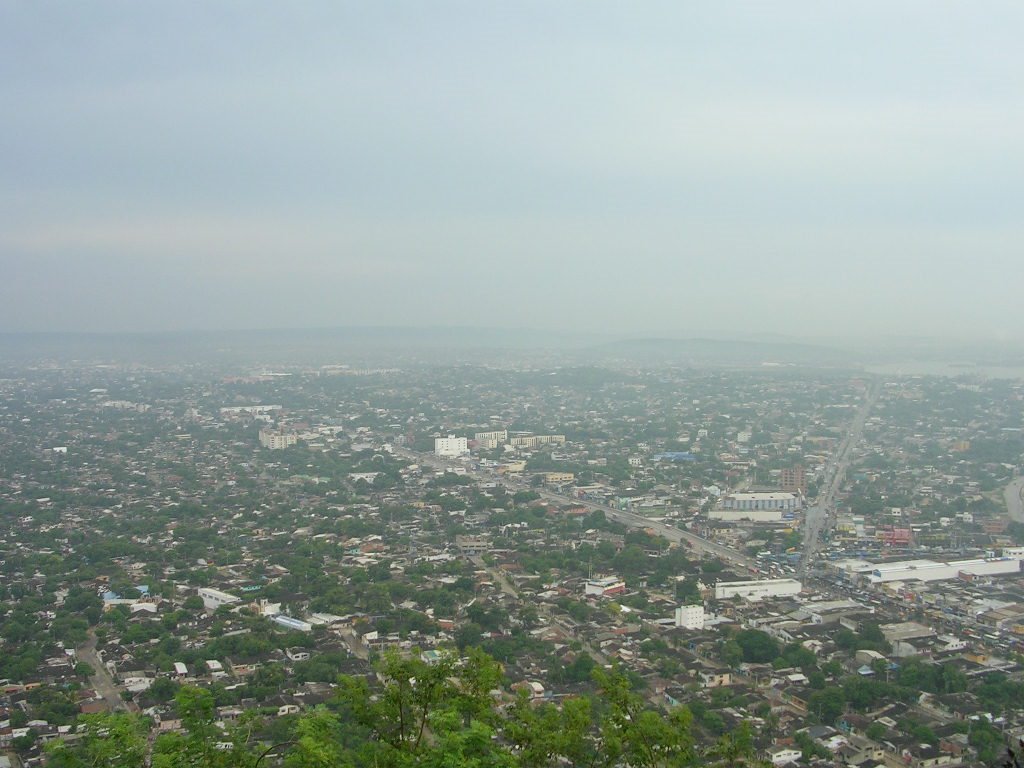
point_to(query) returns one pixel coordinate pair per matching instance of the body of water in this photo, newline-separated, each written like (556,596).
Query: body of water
(927,368)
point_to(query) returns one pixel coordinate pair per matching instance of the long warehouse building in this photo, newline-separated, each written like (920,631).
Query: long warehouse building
(772,500)
(756,590)
(932,570)
(753,515)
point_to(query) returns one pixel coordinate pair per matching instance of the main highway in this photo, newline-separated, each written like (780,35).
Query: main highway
(820,516)
(1014,495)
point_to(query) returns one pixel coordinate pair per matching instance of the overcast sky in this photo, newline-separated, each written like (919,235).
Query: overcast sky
(808,168)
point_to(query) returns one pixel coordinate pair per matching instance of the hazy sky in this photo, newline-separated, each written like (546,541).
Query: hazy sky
(805,168)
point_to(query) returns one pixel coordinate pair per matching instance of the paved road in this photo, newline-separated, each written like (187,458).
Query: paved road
(670,532)
(500,579)
(101,680)
(355,645)
(1014,495)
(631,519)
(820,516)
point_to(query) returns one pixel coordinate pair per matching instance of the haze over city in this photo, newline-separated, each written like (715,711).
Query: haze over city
(805,169)
(511,385)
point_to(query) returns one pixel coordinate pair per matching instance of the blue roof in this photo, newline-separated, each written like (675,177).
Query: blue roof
(288,621)
(674,456)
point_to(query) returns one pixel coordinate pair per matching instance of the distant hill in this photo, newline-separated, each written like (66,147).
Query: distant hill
(375,345)
(304,346)
(739,352)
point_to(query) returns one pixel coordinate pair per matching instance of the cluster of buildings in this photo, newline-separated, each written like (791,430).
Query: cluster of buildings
(268,572)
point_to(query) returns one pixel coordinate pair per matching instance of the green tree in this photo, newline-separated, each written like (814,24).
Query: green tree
(542,735)
(163,689)
(204,745)
(318,743)
(193,603)
(732,653)
(467,635)
(875,731)
(987,740)
(871,638)
(412,690)
(758,647)
(116,740)
(733,749)
(639,737)
(458,744)
(826,705)
(809,748)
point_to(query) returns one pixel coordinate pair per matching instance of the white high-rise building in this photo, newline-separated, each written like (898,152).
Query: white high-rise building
(490,440)
(536,441)
(690,616)
(277,439)
(451,446)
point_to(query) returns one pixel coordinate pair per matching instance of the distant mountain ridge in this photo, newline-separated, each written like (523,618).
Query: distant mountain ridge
(444,345)
(734,351)
(306,345)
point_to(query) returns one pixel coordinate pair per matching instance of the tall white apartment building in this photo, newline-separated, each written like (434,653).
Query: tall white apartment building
(451,446)
(536,441)
(490,440)
(690,616)
(249,410)
(276,439)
